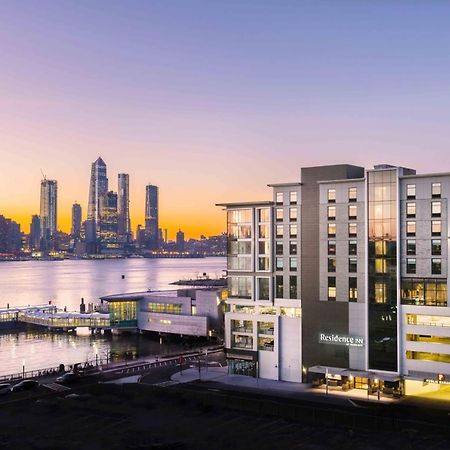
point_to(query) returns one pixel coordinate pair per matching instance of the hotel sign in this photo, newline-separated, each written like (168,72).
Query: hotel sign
(341,339)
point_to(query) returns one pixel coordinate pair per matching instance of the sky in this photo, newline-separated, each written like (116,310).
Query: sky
(212,100)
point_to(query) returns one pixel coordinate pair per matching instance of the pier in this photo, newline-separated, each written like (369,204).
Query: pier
(49,317)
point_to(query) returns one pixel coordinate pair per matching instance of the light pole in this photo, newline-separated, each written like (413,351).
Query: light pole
(23,369)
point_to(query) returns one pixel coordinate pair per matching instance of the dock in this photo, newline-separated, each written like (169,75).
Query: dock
(50,317)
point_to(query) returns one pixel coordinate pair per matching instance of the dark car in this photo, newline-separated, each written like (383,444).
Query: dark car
(5,388)
(68,378)
(25,385)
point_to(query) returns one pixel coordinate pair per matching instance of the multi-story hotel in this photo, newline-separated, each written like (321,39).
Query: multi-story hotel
(342,279)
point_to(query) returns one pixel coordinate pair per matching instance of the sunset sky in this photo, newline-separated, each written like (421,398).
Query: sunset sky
(212,100)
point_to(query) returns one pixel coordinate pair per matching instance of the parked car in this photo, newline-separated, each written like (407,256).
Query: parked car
(25,385)
(68,378)
(5,388)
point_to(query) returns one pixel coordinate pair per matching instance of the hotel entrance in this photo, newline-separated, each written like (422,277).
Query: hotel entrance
(361,383)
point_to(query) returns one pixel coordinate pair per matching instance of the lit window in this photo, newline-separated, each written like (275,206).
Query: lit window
(352,194)
(279,231)
(293,264)
(279,263)
(279,214)
(352,230)
(411,209)
(435,209)
(436,190)
(352,289)
(279,198)
(411,265)
(436,268)
(331,195)
(380,293)
(435,227)
(331,230)
(293,230)
(410,191)
(352,212)
(331,264)
(293,214)
(332,213)
(411,228)
(293,197)
(380,265)
(331,288)
(264,215)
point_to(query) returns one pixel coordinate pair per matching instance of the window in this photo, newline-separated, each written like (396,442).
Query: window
(332,213)
(165,308)
(279,231)
(435,209)
(331,195)
(264,215)
(352,212)
(331,288)
(435,227)
(293,286)
(380,292)
(240,287)
(279,198)
(380,248)
(352,289)
(263,247)
(292,264)
(331,247)
(263,288)
(411,210)
(436,248)
(279,248)
(264,232)
(424,292)
(352,194)
(352,247)
(279,286)
(292,248)
(352,265)
(410,228)
(279,263)
(352,230)
(380,265)
(410,247)
(263,263)
(331,230)
(411,265)
(293,230)
(436,190)
(279,214)
(293,197)
(331,264)
(292,214)
(410,191)
(436,268)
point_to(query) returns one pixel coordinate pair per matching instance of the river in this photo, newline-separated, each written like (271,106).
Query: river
(64,283)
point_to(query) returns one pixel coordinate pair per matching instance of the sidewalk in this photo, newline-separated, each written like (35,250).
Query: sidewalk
(274,387)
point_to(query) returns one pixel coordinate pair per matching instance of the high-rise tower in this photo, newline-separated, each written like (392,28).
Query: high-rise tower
(48,212)
(97,187)
(123,205)
(151,217)
(76,220)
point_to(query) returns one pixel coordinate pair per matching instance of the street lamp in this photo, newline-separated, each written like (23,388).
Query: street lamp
(23,369)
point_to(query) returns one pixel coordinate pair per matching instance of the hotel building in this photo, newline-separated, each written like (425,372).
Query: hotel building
(342,279)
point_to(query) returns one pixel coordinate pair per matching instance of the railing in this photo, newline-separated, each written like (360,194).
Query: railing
(429,324)
(268,331)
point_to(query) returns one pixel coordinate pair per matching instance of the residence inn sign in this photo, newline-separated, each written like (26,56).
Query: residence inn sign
(341,339)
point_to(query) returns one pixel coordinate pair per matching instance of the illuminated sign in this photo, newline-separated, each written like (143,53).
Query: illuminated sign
(341,339)
(440,379)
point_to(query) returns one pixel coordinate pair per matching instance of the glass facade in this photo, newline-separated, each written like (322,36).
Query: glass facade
(382,273)
(123,314)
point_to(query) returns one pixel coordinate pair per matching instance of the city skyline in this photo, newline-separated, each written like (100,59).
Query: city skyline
(188,98)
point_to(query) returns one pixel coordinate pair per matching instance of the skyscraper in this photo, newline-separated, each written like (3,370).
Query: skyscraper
(48,212)
(76,220)
(35,232)
(108,220)
(123,205)
(151,217)
(180,241)
(97,187)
